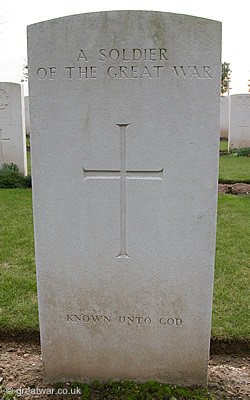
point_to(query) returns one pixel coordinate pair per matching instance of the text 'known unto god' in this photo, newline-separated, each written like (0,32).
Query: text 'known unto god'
(123,320)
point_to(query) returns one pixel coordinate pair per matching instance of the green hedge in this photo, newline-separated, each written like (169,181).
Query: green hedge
(245,152)
(10,177)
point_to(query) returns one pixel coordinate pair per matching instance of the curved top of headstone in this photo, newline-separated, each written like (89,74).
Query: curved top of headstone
(5,89)
(152,28)
(10,83)
(123,12)
(240,94)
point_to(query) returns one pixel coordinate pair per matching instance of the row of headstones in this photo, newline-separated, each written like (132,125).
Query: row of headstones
(235,120)
(14,122)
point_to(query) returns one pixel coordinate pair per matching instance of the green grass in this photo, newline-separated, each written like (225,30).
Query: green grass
(18,302)
(223,145)
(129,390)
(7,394)
(234,169)
(230,315)
(28,163)
(123,390)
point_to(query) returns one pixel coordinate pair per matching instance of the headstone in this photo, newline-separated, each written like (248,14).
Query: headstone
(125,165)
(27,115)
(12,133)
(224,117)
(239,126)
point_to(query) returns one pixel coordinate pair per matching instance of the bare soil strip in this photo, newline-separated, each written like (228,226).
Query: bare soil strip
(21,367)
(234,188)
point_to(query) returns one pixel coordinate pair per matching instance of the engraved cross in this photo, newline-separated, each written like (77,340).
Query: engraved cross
(243,126)
(1,144)
(122,174)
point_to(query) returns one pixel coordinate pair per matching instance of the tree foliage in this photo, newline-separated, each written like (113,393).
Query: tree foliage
(25,73)
(225,77)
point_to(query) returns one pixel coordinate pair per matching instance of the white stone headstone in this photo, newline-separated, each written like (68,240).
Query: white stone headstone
(224,117)
(27,115)
(125,165)
(12,131)
(239,125)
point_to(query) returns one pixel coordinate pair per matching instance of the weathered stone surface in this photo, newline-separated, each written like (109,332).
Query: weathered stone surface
(224,116)
(12,132)
(239,127)
(125,163)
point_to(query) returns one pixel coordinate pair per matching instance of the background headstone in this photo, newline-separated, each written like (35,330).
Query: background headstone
(239,125)
(27,115)
(12,131)
(125,166)
(224,117)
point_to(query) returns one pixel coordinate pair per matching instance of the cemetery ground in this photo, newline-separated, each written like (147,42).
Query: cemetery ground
(20,360)
(223,145)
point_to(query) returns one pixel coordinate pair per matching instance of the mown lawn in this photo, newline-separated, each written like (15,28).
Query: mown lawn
(18,301)
(234,169)
(231,268)
(223,145)
(28,163)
